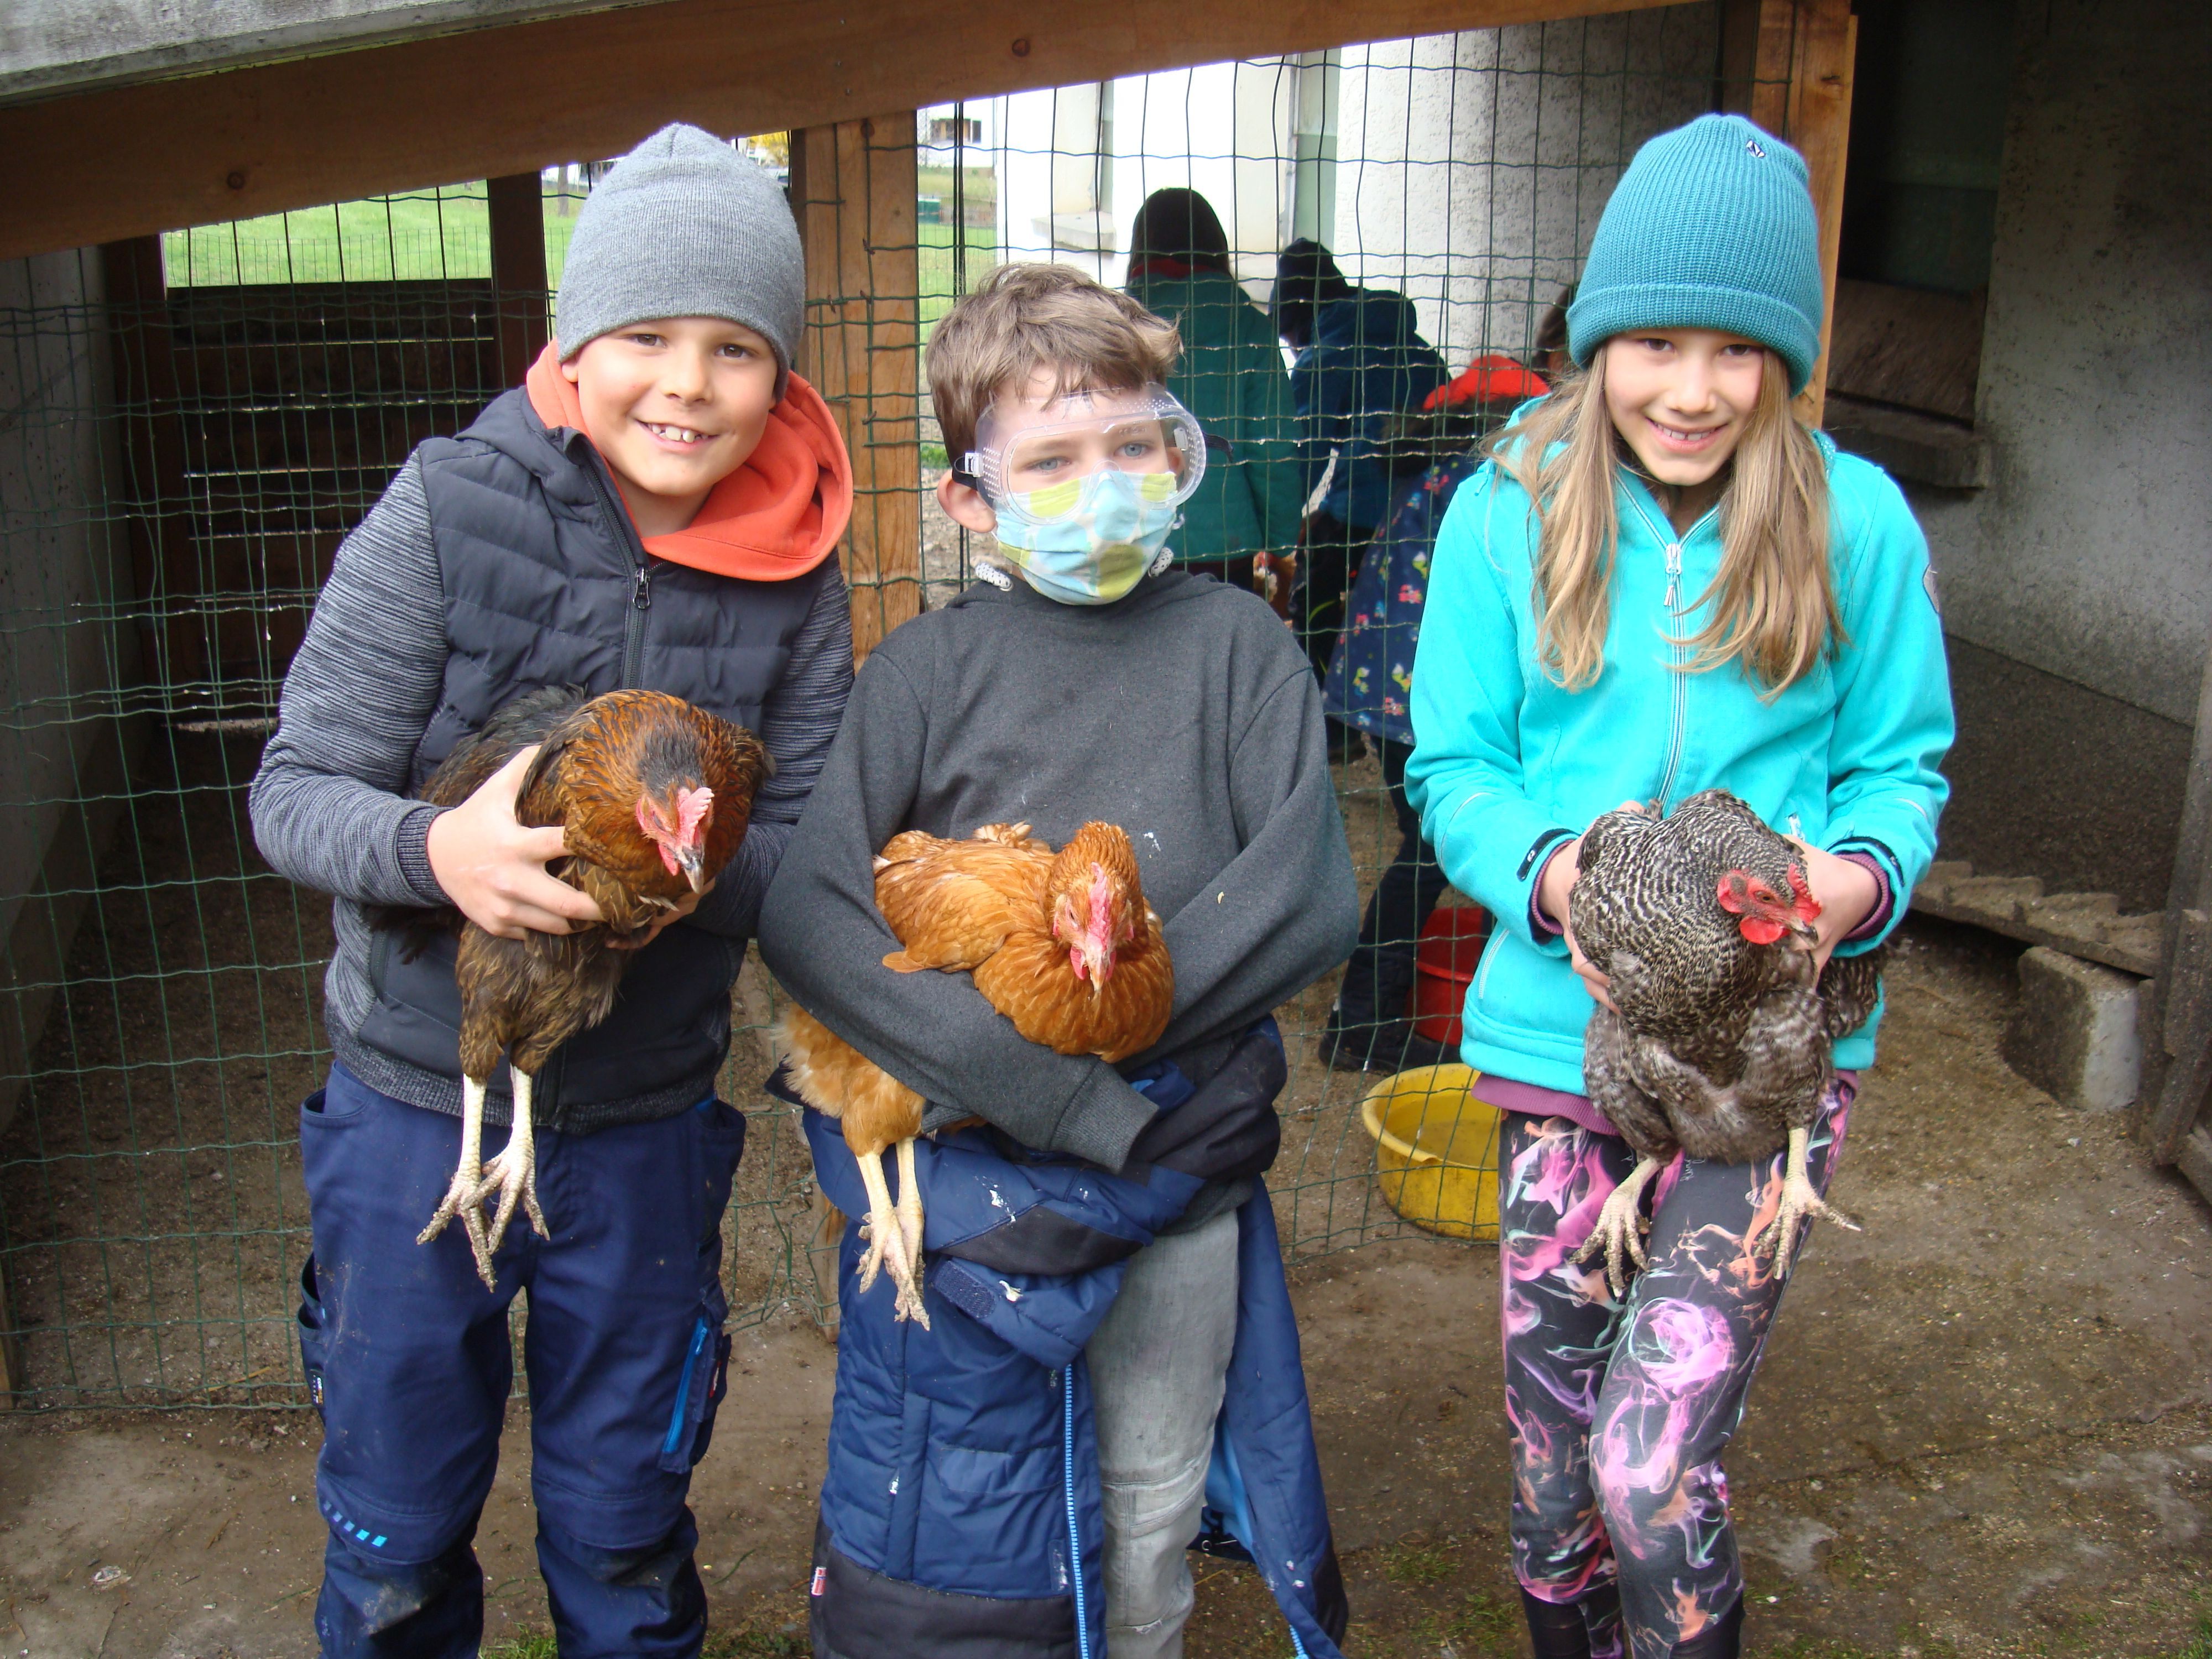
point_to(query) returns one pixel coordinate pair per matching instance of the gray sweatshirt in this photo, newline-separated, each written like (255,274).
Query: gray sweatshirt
(1184,713)
(327,806)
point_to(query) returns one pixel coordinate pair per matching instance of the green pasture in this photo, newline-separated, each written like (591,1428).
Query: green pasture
(437,234)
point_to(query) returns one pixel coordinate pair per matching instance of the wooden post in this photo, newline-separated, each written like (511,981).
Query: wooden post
(160,525)
(517,205)
(1787,64)
(2177,1019)
(853,187)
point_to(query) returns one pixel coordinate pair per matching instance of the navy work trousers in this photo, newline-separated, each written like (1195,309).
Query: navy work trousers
(407,1356)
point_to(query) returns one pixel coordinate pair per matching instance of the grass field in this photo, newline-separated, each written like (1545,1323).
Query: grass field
(430,235)
(424,235)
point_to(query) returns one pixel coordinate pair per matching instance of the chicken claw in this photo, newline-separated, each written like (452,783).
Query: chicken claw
(1620,1227)
(464,1198)
(513,1175)
(1799,1203)
(886,1234)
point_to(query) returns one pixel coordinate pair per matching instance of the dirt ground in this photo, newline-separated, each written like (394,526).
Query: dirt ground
(1982,1427)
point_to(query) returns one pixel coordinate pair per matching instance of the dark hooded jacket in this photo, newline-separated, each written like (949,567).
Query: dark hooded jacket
(1366,362)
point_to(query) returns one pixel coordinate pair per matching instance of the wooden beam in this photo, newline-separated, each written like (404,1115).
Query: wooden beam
(1788,65)
(853,188)
(514,99)
(516,202)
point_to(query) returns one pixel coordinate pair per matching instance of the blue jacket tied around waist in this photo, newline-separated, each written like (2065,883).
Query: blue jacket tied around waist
(961,1515)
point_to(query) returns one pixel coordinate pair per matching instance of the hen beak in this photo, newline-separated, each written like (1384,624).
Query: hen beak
(692,861)
(1098,964)
(1808,936)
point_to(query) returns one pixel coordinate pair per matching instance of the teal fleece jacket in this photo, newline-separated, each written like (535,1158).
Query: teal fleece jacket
(1231,376)
(1507,762)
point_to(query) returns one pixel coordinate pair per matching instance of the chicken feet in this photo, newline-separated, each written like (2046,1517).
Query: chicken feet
(1799,1203)
(465,1197)
(894,1232)
(512,1174)
(1621,1228)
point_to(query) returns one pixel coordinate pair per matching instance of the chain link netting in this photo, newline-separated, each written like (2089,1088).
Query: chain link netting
(189,427)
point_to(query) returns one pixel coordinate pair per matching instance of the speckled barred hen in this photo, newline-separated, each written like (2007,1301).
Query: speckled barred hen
(1722,1042)
(654,796)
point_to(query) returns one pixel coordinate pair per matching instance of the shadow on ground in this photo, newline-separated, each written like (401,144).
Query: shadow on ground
(1982,1427)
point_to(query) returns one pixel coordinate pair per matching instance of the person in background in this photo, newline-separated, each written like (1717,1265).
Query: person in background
(1360,360)
(1231,376)
(1369,688)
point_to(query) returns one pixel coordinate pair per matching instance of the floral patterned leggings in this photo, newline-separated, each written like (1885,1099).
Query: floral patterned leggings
(1620,1410)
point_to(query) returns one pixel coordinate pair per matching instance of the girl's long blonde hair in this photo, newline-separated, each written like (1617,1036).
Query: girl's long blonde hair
(1773,602)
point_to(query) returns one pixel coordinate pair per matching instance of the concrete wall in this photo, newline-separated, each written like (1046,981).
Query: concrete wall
(1537,121)
(65,650)
(2090,556)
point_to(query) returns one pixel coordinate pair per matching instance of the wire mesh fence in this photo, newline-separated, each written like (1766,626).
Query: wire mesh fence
(188,427)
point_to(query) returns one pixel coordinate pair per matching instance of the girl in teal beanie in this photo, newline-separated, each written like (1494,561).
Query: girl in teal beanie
(1662,582)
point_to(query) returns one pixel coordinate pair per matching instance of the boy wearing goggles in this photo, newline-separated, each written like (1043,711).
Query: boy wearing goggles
(1086,679)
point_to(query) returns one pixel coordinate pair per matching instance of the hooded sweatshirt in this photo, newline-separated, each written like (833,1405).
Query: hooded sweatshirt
(1367,362)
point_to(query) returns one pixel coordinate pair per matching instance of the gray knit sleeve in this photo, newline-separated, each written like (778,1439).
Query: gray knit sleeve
(798,721)
(326,804)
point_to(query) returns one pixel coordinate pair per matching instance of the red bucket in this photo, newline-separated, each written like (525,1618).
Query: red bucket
(1451,949)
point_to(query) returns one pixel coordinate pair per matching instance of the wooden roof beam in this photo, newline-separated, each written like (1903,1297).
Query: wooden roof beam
(123,162)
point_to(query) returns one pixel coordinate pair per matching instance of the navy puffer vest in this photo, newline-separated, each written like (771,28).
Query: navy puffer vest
(546,583)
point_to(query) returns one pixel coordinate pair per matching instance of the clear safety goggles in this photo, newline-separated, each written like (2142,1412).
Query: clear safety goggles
(1036,470)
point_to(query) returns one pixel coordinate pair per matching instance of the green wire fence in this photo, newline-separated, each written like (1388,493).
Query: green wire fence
(189,427)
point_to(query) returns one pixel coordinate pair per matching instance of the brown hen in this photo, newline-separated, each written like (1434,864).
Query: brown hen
(654,796)
(1063,944)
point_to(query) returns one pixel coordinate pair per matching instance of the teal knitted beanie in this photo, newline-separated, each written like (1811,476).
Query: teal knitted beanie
(1711,226)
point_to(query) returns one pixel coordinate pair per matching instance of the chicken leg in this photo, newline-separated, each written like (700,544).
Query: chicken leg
(885,1230)
(1619,1230)
(464,1198)
(1799,1203)
(513,1173)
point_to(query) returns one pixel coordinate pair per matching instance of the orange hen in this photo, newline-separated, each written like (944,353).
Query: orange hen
(1063,944)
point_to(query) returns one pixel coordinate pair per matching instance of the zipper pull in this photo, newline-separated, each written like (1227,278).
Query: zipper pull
(642,596)
(1673,558)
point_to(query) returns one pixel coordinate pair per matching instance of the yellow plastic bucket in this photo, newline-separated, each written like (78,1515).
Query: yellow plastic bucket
(1435,1150)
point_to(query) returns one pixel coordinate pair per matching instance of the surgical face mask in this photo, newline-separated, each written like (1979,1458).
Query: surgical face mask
(1090,540)
(1087,490)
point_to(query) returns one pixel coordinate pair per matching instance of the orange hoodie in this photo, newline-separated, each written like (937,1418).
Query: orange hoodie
(775,517)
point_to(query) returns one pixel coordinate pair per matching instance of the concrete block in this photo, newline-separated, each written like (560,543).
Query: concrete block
(2075,1035)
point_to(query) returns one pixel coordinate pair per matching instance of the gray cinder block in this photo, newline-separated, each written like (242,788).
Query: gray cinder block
(2075,1037)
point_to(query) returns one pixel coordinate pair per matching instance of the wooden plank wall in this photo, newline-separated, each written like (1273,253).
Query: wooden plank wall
(1787,64)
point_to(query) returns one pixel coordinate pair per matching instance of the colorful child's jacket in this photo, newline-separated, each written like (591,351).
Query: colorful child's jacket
(1370,677)
(1508,763)
(962,1477)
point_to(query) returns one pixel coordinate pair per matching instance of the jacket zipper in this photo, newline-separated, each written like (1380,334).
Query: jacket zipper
(1074,1533)
(640,593)
(1678,700)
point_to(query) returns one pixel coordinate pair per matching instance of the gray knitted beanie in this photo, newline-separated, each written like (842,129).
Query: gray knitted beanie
(685,227)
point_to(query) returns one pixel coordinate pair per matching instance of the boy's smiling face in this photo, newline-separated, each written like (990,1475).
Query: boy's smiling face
(675,406)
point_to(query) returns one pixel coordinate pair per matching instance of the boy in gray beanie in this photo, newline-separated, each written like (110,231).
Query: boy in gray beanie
(657,505)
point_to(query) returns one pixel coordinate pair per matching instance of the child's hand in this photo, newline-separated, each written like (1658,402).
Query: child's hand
(1847,893)
(1561,870)
(494,869)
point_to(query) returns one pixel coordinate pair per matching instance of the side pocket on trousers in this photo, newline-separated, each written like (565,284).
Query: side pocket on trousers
(699,1391)
(313,1342)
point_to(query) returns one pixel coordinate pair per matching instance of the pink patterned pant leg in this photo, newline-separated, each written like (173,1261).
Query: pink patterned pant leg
(1619,1414)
